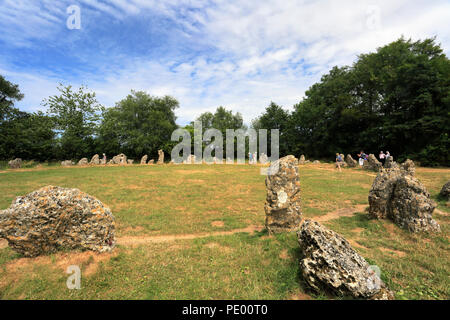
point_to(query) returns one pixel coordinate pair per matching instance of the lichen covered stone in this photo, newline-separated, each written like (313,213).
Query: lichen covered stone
(283,211)
(328,263)
(55,218)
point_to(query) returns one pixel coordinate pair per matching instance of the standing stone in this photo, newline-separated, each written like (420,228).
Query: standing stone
(372,163)
(144,159)
(160,157)
(95,160)
(130,161)
(381,192)
(283,211)
(411,206)
(83,162)
(316,162)
(396,194)
(350,161)
(103,161)
(54,218)
(409,166)
(445,191)
(151,161)
(329,263)
(390,163)
(15,164)
(263,159)
(302,159)
(67,163)
(123,159)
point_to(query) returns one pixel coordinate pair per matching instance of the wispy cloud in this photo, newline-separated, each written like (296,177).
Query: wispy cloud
(240,54)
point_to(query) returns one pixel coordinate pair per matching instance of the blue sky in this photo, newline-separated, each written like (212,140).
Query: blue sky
(239,54)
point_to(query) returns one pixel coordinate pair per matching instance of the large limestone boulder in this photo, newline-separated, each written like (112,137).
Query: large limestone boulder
(396,194)
(372,164)
(144,159)
(54,218)
(15,164)
(380,194)
(283,211)
(83,162)
(67,163)
(350,161)
(329,263)
(411,206)
(120,159)
(95,160)
(160,157)
(445,191)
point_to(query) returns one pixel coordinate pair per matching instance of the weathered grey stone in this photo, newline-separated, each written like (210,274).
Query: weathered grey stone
(380,194)
(83,162)
(54,218)
(67,163)
(120,159)
(263,159)
(302,159)
(350,161)
(445,191)
(15,164)
(130,161)
(283,211)
(411,206)
(316,162)
(390,163)
(396,194)
(95,160)
(144,159)
(329,263)
(160,157)
(372,163)
(151,161)
(409,166)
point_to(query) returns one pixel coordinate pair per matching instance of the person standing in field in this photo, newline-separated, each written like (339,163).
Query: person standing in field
(362,157)
(339,161)
(387,155)
(250,158)
(382,157)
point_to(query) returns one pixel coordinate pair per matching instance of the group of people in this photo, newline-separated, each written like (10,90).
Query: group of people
(362,157)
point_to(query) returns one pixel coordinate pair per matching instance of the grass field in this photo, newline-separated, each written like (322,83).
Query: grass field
(196,232)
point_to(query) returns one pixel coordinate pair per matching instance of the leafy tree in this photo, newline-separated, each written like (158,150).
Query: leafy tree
(275,117)
(222,119)
(395,99)
(24,135)
(139,124)
(76,115)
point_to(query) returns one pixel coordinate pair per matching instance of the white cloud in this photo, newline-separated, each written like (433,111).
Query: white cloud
(263,50)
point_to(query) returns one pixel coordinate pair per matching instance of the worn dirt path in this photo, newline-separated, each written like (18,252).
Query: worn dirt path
(127,240)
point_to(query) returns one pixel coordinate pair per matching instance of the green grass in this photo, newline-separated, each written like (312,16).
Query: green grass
(192,199)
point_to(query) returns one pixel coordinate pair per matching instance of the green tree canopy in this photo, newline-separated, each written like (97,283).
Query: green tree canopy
(139,124)
(76,115)
(395,99)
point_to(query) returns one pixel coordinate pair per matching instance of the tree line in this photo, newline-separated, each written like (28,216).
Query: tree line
(395,99)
